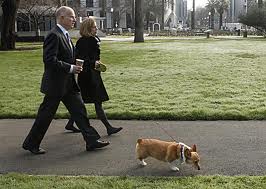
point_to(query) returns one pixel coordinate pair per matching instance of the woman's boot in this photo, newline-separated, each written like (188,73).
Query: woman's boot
(70,126)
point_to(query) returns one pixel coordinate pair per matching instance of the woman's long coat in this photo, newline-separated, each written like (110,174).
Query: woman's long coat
(90,80)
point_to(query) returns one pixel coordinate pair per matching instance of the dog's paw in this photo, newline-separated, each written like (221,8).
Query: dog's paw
(143,163)
(174,168)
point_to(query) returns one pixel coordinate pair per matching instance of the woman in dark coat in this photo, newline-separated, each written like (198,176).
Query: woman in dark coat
(90,80)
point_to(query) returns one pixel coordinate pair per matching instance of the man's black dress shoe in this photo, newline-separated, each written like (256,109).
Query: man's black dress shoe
(72,128)
(96,144)
(36,151)
(113,130)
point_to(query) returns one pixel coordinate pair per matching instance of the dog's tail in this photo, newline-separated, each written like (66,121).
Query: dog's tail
(139,140)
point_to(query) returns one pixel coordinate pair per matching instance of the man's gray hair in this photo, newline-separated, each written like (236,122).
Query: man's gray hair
(62,10)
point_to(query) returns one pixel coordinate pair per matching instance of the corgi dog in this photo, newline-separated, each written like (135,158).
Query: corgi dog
(172,152)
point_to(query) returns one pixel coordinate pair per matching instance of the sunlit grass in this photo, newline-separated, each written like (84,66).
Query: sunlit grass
(205,79)
(20,181)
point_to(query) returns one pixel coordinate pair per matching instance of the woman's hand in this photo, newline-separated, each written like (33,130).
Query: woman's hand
(97,64)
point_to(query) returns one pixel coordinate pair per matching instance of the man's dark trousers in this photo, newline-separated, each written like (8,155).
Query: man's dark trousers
(73,102)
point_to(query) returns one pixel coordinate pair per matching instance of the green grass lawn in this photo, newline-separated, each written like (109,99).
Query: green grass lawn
(201,79)
(19,181)
(207,79)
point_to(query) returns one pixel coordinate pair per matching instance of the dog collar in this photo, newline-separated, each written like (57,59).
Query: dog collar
(182,154)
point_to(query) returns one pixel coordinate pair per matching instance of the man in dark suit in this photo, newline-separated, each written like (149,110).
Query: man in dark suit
(58,84)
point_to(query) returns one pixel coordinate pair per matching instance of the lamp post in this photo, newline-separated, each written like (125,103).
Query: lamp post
(245,34)
(225,23)
(192,19)
(210,20)
(112,10)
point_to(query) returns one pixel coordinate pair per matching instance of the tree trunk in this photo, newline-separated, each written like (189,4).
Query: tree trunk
(8,37)
(212,18)
(133,13)
(220,21)
(148,19)
(139,22)
(260,3)
(162,24)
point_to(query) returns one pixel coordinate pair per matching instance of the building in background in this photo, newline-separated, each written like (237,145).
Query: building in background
(109,14)
(181,12)
(238,7)
(112,14)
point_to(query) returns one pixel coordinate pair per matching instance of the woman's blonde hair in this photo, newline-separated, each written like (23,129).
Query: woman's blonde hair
(86,27)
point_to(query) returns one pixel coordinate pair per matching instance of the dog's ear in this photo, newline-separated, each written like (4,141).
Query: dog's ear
(187,153)
(194,148)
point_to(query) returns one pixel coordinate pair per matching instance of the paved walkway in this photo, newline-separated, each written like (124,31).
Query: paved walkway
(225,147)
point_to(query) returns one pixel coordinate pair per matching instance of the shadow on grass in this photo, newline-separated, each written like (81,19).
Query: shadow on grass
(28,48)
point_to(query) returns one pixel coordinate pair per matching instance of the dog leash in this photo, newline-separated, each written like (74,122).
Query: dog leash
(166,132)
(182,151)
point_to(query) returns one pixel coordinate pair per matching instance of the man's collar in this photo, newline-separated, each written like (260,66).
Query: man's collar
(62,29)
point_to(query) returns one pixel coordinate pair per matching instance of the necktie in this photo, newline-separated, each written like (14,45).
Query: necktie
(69,40)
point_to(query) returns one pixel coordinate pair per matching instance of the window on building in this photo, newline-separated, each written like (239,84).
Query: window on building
(89,13)
(102,13)
(116,17)
(89,3)
(102,4)
(116,3)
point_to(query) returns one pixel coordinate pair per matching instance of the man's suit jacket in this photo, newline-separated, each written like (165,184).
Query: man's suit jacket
(57,57)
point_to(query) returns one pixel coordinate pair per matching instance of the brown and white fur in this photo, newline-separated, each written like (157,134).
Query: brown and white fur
(171,152)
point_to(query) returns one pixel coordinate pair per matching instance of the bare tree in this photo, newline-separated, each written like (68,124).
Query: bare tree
(151,11)
(201,14)
(139,22)
(155,10)
(120,9)
(33,12)
(211,7)
(75,5)
(8,37)
(255,17)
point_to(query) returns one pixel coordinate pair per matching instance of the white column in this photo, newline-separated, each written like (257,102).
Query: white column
(233,11)
(109,14)
(83,3)
(108,19)
(123,16)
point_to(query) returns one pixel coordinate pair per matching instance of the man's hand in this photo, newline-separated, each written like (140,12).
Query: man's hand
(77,69)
